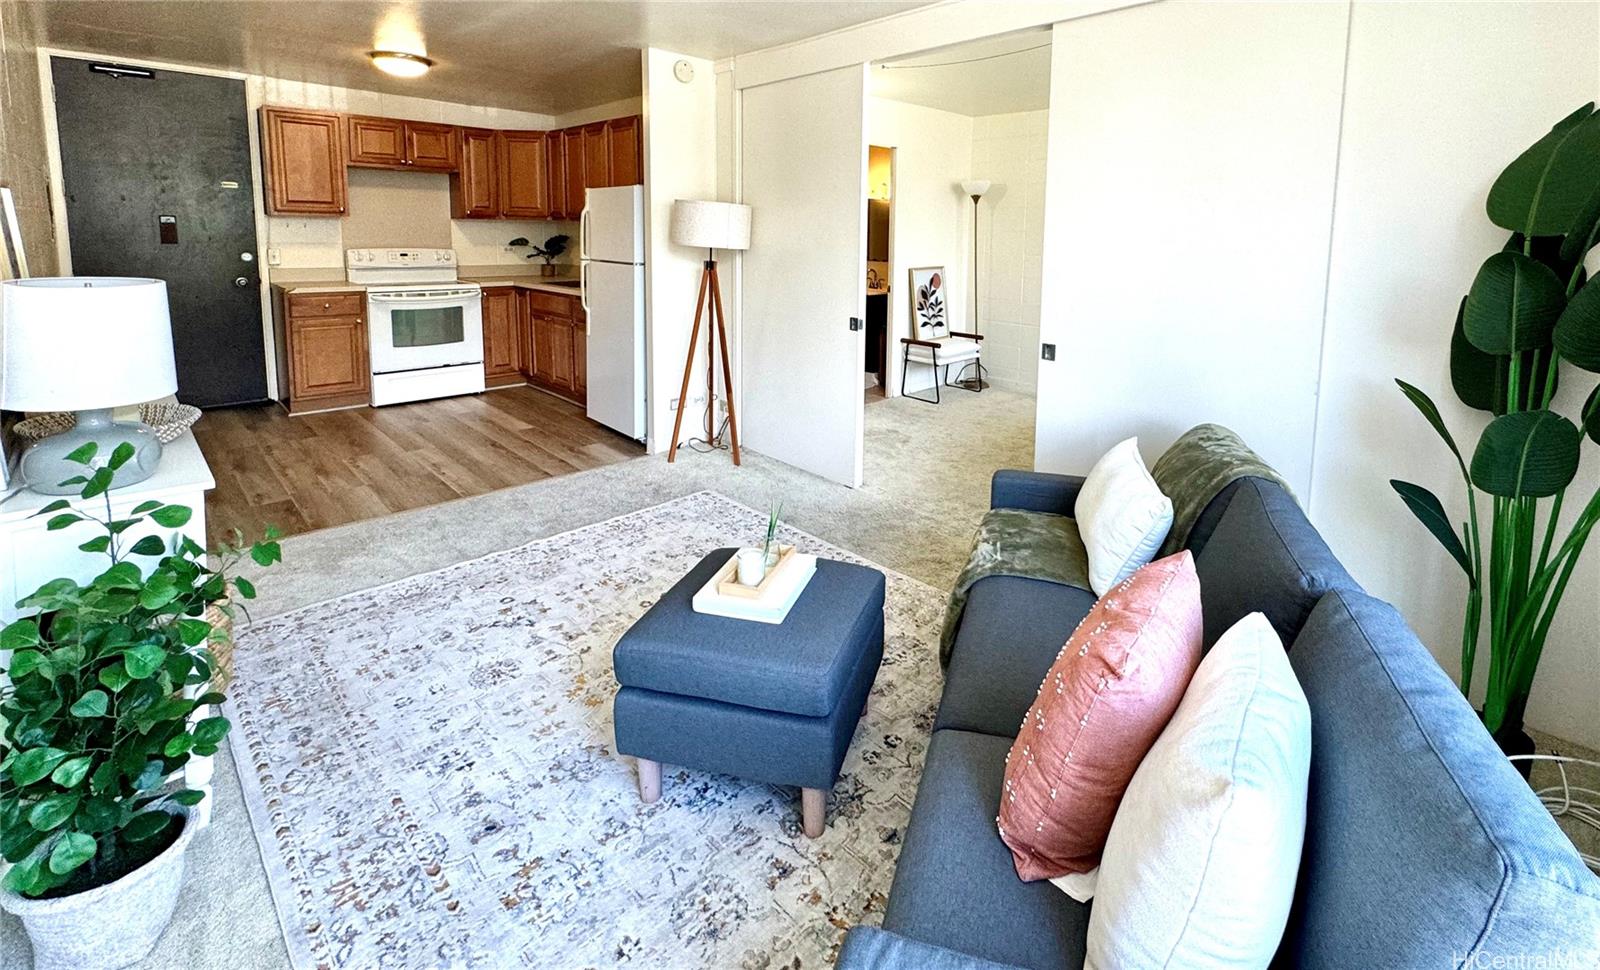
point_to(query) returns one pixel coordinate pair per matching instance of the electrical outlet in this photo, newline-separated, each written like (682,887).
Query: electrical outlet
(508,249)
(1048,351)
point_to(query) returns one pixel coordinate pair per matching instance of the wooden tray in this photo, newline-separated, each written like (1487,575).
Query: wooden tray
(730,585)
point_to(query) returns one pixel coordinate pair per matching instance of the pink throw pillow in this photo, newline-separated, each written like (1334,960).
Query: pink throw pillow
(1111,690)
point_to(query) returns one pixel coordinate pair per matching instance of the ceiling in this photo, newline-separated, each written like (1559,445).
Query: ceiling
(534,55)
(995,75)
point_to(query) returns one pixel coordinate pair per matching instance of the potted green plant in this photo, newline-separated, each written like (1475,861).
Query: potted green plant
(553,247)
(1530,308)
(105,701)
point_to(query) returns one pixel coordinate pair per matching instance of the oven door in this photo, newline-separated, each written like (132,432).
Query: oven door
(419,329)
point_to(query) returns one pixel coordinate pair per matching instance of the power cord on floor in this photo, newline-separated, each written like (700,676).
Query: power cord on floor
(1561,803)
(712,441)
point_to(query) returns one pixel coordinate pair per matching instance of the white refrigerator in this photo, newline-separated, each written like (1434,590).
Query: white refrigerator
(611,247)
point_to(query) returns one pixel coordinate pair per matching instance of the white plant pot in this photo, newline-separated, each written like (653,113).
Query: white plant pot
(111,926)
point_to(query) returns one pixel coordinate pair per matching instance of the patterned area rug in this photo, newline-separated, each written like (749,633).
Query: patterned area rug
(430,773)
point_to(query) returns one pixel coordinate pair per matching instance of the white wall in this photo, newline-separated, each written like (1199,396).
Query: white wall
(1440,97)
(680,137)
(1190,193)
(600,112)
(931,221)
(1009,150)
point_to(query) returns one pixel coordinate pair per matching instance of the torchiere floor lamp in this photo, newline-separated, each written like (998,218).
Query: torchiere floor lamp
(710,226)
(975,188)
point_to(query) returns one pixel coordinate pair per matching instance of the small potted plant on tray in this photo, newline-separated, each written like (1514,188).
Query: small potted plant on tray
(553,247)
(105,700)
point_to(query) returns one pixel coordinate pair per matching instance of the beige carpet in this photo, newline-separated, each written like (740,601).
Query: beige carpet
(927,475)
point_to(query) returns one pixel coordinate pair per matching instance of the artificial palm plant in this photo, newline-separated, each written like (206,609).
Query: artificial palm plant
(1530,307)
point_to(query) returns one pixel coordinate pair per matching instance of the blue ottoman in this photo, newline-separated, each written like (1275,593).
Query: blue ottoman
(771,703)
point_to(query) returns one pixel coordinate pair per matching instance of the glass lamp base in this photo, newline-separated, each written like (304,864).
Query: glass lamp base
(45,465)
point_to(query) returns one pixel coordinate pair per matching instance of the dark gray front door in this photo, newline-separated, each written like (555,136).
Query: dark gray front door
(156,172)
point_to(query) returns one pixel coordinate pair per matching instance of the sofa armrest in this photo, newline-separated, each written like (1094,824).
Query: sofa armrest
(1013,488)
(871,948)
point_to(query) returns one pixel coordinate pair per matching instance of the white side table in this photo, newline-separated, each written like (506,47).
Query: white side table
(31,556)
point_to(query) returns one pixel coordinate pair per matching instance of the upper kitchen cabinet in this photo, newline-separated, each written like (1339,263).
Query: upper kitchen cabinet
(576,178)
(556,167)
(475,186)
(623,144)
(431,147)
(524,175)
(596,156)
(392,143)
(304,161)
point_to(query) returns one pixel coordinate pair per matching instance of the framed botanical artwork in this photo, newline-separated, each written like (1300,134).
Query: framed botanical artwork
(929,306)
(13,260)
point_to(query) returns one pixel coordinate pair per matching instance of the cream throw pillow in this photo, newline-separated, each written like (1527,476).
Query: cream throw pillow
(1122,516)
(1200,865)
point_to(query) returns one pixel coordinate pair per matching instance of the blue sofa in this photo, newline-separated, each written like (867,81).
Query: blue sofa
(1424,847)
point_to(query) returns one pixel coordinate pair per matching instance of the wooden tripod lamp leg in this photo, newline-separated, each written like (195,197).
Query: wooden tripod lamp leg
(727,368)
(706,276)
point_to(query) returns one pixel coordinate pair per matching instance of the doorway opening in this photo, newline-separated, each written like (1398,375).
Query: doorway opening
(943,267)
(880,270)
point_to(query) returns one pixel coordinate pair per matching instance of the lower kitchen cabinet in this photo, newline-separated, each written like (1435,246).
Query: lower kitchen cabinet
(502,354)
(323,358)
(556,358)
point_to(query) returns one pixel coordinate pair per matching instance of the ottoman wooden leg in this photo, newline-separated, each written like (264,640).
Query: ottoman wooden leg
(649,780)
(813,805)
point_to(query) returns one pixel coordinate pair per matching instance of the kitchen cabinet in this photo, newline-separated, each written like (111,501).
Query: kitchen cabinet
(304,162)
(524,175)
(556,166)
(557,359)
(392,143)
(502,354)
(596,156)
(580,356)
(624,146)
(475,186)
(576,177)
(431,147)
(325,337)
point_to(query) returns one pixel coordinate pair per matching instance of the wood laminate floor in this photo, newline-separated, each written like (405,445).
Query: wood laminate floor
(319,470)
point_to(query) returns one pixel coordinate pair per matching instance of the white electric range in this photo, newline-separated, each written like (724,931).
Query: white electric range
(425,326)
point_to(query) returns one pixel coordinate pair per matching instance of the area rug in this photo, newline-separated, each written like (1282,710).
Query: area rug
(429,771)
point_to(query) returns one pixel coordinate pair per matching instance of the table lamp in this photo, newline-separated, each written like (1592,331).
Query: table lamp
(86,344)
(710,226)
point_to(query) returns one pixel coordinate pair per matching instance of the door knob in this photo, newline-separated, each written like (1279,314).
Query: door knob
(241,281)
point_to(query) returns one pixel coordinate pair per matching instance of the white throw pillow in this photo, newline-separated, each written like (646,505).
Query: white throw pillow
(1200,864)
(1122,516)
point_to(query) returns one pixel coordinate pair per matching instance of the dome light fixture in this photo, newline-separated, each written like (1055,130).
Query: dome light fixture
(400,63)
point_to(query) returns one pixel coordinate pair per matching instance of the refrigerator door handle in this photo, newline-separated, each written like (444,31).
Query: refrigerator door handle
(583,233)
(583,293)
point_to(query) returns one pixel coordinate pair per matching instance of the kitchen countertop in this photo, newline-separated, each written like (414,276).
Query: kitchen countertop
(527,282)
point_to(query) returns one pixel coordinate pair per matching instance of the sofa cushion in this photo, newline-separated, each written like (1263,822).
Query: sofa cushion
(871,948)
(1010,634)
(1264,555)
(1111,690)
(954,885)
(1424,847)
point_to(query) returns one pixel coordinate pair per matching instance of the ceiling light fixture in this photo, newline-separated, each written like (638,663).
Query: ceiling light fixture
(400,63)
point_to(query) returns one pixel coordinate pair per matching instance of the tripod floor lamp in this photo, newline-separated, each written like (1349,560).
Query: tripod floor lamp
(710,226)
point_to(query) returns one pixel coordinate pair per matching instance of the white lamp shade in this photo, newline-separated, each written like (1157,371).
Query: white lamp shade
(77,343)
(975,186)
(711,225)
